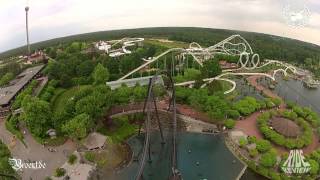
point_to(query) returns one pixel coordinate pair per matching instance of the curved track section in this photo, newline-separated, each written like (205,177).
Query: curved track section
(126,42)
(233,45)
(220,77)
(201,54)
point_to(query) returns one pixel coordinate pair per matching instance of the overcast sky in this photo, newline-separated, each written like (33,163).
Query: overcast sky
(55,18)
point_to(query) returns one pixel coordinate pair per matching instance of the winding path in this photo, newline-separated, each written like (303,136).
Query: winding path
(35,152)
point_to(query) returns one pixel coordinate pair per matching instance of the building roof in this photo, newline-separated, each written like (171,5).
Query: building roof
(95,140)
(9,92)
(285,127)
(132,82)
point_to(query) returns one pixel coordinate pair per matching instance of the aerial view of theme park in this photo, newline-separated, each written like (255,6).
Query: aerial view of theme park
(161,103)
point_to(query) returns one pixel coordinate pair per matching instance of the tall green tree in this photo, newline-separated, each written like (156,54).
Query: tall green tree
(210,69)
(269,159)
(37,114)
(100,74)
(78,127)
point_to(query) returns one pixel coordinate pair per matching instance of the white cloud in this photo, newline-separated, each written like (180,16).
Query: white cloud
(55,18)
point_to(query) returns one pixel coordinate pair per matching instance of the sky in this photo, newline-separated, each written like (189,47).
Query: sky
(56,18)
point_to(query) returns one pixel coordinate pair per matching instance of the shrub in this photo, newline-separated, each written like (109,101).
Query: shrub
(263,171)
(268,159)
(234,114)
(276,101)
(290,104)
(269,103)
(315,155)
(253,152)
(247,106)
(89,156)
(60,172)
(274,176)
(229,123)
(314,167)
(263,104)
(284,176)
(252,139)
(263,145)
(243,141)
(72,159)
(299,111)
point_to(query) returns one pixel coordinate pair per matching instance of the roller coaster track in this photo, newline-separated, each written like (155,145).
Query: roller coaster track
(198,53)
(195,50)
(229,72)
(126,42)
(149,102)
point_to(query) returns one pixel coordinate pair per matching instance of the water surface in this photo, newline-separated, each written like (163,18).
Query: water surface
(199,156)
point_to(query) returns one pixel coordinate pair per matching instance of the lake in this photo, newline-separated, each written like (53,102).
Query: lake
(199,156)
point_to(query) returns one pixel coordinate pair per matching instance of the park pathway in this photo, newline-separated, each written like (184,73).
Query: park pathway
(35,152)
(162,105)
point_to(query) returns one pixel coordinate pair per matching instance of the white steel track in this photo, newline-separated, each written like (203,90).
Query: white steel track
(247,61)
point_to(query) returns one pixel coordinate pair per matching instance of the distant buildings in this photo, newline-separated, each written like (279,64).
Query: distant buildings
(103,46)
(226,65)
(36,57)
(106,46)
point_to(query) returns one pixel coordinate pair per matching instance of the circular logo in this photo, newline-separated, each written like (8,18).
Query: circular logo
(296,14)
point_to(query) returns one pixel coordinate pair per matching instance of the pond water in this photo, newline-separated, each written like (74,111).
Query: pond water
(245,90)
(214,159)
(293,90)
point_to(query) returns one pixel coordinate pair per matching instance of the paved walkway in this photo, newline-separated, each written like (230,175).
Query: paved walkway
(162,105)
(35,152)
(249,124)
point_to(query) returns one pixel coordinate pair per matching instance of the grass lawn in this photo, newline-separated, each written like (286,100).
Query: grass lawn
(62,96)
(168,44)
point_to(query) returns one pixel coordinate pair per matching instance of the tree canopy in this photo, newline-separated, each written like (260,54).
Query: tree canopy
(77,127)
(100,74)
(37,114)
(210,68)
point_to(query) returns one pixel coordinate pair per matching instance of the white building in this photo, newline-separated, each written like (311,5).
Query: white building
(103,46)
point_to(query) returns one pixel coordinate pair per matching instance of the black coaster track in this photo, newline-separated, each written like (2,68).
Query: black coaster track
(150,108)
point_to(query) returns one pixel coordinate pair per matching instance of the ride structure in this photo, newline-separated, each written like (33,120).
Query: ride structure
(234,45)
(150,111)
